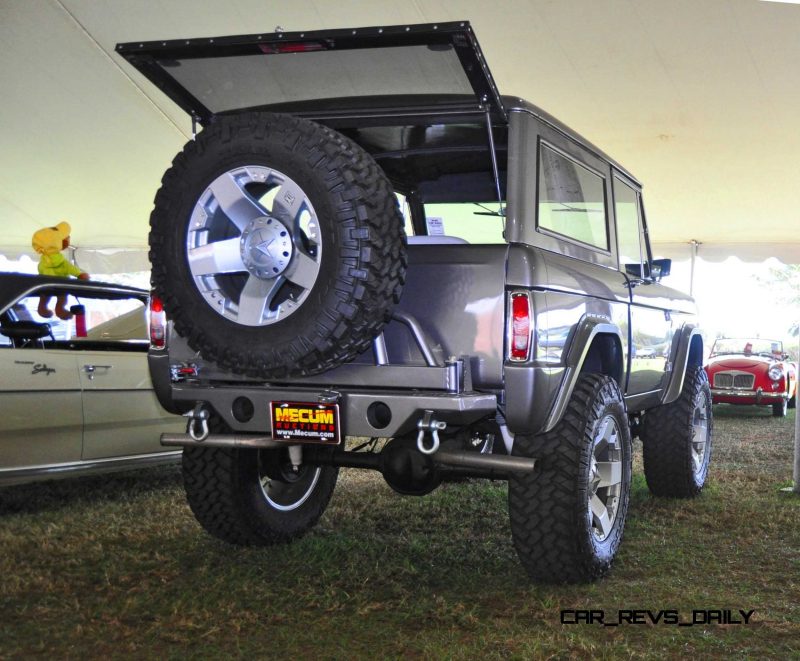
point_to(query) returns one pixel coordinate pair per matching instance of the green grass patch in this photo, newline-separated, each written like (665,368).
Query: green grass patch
(116,566)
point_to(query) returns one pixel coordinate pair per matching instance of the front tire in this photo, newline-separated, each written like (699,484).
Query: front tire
(779,409)
(677,440)
(252,497)
(568,516)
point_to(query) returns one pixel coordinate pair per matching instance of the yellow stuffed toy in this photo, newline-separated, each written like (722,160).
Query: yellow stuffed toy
(49,243)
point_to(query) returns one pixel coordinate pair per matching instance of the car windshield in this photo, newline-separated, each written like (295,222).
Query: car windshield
(747,346)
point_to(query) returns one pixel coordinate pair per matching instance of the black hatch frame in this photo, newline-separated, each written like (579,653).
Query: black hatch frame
(154,59)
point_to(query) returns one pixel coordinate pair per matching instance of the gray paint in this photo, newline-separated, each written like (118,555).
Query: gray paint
(456,293)
(458,296)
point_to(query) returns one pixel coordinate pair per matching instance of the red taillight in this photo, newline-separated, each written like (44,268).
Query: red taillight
(158,324)
(520,335)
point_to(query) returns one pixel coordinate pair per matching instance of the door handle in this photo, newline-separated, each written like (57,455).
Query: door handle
(91,369)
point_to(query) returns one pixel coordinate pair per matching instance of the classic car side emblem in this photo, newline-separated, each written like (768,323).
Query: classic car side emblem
(38,368)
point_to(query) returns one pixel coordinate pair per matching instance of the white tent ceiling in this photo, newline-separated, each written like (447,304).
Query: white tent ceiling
(699,98)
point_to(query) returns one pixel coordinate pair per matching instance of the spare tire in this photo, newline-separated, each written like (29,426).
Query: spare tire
(277,246)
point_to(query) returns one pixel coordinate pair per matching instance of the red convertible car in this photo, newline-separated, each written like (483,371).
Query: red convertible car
(754,372)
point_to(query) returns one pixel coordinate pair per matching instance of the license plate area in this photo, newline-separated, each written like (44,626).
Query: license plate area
(305,422)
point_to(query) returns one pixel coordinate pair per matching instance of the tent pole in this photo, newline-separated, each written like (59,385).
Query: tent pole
(694,245)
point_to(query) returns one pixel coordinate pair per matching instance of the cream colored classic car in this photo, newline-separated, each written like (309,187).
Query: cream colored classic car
(76,395)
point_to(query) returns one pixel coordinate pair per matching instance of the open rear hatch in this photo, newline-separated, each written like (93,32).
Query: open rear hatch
(394,71)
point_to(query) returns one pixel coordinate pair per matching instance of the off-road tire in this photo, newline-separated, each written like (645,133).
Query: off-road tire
(668,435)
(223,488)
(362,262)
(779,408)
(551,521)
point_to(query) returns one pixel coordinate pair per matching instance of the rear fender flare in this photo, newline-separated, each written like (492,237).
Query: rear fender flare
(589,328)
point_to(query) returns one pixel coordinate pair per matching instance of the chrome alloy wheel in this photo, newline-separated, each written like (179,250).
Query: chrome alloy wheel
(254,245)
(699,443)
(605,478)
(292,490)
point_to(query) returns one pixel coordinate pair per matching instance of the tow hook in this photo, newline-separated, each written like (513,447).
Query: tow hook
(197,426)
(428,423)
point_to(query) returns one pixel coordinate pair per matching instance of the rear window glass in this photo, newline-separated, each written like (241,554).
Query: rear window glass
(245,81)
(571,199)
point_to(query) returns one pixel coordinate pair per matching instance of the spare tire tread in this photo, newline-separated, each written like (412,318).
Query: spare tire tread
(372,253)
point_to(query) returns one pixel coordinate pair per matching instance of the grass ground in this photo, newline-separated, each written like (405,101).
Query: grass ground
(117,567)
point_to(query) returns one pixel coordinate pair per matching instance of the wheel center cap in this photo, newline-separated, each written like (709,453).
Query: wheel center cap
(594,477)
(266,248)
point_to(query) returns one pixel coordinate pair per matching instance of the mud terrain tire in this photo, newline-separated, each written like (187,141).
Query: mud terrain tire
(557,512)
(676,440)
(252,497)
(277,246)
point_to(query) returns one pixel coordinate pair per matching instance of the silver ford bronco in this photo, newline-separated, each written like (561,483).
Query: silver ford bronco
(367,240)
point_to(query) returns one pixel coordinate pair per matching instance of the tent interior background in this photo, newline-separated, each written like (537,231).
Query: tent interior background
(698,99)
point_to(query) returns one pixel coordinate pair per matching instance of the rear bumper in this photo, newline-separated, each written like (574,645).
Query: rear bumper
(754,397)
(407,406)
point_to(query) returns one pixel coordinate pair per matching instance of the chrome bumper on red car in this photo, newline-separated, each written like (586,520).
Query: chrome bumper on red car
(721,395)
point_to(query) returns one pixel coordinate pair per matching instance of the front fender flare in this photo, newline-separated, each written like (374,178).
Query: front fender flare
(685,351)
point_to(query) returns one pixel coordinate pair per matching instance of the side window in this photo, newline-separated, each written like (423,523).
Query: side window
(108,320)
(5,341)
(626,207)
(17,312)
(123,321)
(571,199)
